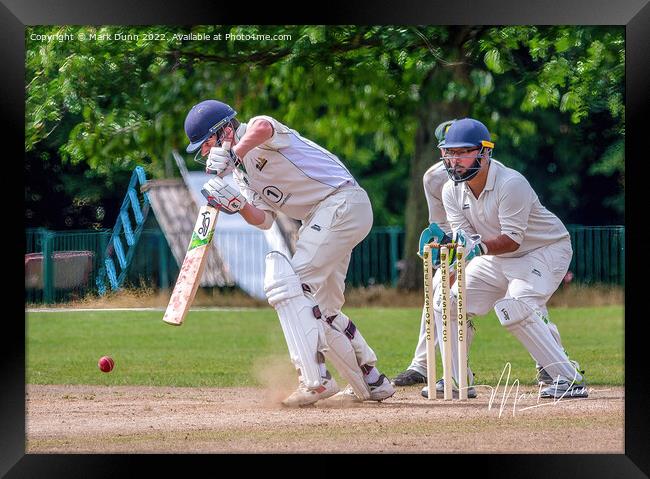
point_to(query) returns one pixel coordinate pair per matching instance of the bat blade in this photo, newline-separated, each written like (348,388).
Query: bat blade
(191,271)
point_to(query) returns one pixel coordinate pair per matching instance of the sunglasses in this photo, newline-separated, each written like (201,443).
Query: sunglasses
(458,153)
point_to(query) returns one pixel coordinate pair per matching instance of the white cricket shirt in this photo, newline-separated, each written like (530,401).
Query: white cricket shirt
(289,173)
(507,205)
(434,179)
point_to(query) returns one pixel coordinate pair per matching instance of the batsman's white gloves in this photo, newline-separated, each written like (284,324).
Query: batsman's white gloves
(223,196)
(220,162)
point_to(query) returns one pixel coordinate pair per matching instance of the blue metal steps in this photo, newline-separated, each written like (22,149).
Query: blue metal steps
(117,256)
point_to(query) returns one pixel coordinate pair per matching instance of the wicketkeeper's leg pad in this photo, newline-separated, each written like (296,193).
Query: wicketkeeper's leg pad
(298,317)
(527,325)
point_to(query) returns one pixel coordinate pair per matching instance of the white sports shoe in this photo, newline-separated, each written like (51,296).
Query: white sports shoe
(380,390)
(303,396)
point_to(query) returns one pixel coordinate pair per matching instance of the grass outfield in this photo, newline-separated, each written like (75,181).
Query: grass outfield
(229,348)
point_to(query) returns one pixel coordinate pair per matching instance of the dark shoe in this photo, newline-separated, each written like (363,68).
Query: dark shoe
(409,378)
(561,388)
(543,378)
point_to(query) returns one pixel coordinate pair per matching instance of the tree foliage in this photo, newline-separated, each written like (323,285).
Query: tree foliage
(553,98)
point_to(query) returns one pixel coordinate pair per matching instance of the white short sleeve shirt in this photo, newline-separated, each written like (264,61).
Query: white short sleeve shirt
(507,205)
(290,173)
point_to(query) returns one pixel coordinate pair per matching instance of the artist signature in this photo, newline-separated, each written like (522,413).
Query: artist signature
(510,393)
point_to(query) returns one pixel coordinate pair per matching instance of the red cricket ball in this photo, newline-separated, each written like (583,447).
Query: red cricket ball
(106,364)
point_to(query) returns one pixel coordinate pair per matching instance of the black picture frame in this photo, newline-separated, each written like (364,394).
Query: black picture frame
(15,15)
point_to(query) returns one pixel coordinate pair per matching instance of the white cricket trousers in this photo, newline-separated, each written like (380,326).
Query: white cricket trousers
(531,278)
(323,251)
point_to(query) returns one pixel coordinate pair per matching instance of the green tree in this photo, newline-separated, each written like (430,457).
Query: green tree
(567,84)
(551,96)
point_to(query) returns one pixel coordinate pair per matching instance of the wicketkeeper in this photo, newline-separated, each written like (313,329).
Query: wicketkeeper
(520,250)
(439,230)
(277,169)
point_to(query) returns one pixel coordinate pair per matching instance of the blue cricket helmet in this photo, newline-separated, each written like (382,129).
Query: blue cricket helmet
(205,119)
(466,133)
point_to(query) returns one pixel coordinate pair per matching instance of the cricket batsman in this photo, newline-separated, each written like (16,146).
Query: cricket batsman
(277,169)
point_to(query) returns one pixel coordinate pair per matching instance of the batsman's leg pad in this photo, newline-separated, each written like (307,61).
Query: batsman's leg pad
(297,312)
(341,353)
(528,326)
(343,324)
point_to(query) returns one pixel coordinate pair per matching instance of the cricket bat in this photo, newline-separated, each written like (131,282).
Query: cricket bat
(189,277)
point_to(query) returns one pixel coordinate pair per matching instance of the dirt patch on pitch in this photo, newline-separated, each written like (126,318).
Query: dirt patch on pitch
(117,419)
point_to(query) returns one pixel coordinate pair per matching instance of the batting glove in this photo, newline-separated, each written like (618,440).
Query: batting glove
(220,162)
(223,196)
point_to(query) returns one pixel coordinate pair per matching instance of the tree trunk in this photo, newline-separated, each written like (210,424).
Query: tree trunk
(433,111)
(416,214)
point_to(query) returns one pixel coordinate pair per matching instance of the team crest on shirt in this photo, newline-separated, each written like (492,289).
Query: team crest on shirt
(260,163)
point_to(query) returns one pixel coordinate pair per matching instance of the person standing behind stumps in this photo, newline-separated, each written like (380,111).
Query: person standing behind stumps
(433,181)
(517,251)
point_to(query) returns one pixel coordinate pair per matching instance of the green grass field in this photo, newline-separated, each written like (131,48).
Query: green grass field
(222,348)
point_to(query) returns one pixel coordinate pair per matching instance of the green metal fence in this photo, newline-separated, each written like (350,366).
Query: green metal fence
(375,260)
(598,254)
(61,266)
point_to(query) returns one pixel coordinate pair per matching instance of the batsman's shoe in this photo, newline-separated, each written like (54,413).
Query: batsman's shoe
(303,396)
(440,386)
(380,390)
(564,389)
(440,391)
(347,396)
(408,378)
